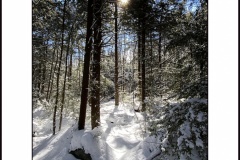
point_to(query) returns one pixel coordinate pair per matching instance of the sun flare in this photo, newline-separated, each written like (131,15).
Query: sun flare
(124,1)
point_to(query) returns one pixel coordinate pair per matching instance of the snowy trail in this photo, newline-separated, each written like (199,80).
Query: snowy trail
(120,137)
(120,128)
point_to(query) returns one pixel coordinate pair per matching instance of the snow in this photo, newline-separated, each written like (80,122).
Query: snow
(192,100)
(199,142)
(121,136)
(185,129)
(200,116)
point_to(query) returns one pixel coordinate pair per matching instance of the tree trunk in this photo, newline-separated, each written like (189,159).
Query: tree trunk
(95,107)
(44,69)
(51,85)
(116,58)
(139,62)
(50,78)
(65,77)
(70,71)
(143,64)
(160,50)
(43,76)
(85,80)
(39,77)
(79,69)
(123,60)
(160,58)
(58,72)
(151,56)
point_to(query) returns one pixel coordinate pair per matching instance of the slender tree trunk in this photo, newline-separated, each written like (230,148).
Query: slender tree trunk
(79,69)
(143,65)
(70,71)
(160,47)
(139,62)
(123,72)
(44,72)
(42,68)
(70,66)
(39,77)
(133,61)
(151,55)
(85,80)
(65,77)
(160,58)
(63,91)
(116,58)
(95,111)
(151,65)
(58,72)
(91,81)
(43,79)
(160,50)
(54,70)
(50,78)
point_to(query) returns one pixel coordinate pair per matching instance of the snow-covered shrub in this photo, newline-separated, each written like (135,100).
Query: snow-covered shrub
(97,131)
(186,125)
(107,87)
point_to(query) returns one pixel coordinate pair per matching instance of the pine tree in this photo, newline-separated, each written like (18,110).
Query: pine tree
(59,68)
(116,57)
(95,99)
(85,80)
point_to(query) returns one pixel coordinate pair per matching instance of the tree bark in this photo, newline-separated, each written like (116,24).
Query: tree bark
(44,68)
(123,60)
(160,58)
(159,50)
(116,58)
(85,80)
(44,71)
(65,77)
(139,61)
(50,78)
(95,107)
(143,64)
(70,71)
(51,85)
(39,77)
(151,55)
(58,72)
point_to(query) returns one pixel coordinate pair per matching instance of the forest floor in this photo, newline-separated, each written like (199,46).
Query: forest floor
(121,136)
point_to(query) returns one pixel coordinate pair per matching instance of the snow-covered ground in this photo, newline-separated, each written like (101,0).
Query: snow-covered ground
(121,136)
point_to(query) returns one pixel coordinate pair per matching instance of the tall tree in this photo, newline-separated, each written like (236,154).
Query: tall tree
(65,77)
(116,57)
(85,79)
(59,68)
(143,61)
(139,59)
(139,11)
(95,100)
(51,73)
(52,79)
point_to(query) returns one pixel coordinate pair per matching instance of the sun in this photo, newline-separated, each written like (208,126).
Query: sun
(124,1)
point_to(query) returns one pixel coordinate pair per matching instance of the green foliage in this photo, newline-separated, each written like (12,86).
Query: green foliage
(186,129)
(107,87)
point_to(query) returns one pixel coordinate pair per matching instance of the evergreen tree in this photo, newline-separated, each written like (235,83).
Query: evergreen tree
(95,101)
(85,80)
